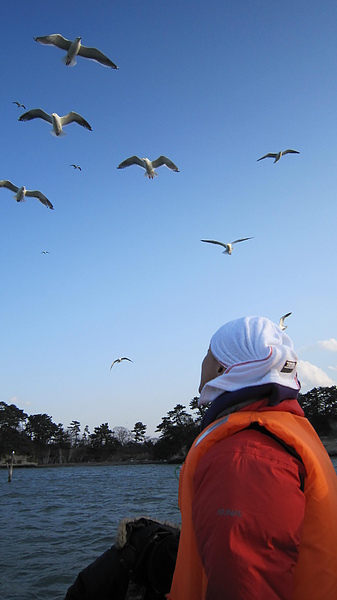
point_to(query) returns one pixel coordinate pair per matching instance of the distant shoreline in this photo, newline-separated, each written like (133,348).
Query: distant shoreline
(329,442)
(34,465)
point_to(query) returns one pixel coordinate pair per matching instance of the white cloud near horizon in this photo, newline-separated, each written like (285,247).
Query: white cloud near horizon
(15,400)
(330,345)
(311,376)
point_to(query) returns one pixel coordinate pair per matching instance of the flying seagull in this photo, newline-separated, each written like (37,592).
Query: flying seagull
(149,165)
(76,167)
(75,48)
(45,252)
(20,105)
(56,121)
(21,192)
(118,360)
(281,323)
(277,155)
(228,247)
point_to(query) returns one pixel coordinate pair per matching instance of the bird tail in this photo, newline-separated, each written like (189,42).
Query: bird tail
(23,199)
(153,174)
(61,134)
(69,63)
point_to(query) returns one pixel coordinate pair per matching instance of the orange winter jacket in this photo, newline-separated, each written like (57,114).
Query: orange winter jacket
(279,541)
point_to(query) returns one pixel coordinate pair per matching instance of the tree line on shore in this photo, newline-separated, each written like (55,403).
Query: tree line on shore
(37,440)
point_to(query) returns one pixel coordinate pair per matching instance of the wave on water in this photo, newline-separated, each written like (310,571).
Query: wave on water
(54,522)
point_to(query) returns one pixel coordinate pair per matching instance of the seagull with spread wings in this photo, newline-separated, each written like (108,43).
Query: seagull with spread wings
(281,323)
(228,247)
(57,122)
(149,165)
(118,360)
(277,155)
(21,193)
(74,48)
(19,105)
(76,167)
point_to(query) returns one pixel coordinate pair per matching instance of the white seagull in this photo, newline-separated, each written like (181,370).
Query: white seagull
(76,167)
(75,48)
(281,323)
(228,247)
(21,193)
(20,105)
(149,165)
(45,252)
(118,360)
(56,121)
(277,155)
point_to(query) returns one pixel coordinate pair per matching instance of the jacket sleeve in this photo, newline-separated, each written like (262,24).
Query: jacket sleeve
(248,510)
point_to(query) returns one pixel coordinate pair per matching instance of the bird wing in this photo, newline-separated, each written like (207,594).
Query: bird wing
(125,358)
(96,55)
(115,361)
(163,160)
(36,113)
(241,240)
(290,151)
(215,242)
(8,184)
(284,317)
(55,39)
(132,160)
(269,155)
(41,197)
(71,117)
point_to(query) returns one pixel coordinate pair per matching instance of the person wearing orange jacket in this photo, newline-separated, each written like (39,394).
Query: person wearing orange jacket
(257,492)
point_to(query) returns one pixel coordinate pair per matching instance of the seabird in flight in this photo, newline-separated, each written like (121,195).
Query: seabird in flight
(149,165)
(281,323)
(75,48)
(56,121)
(21,193)
(118,360)
(19,105)
(277,155)
(228,247)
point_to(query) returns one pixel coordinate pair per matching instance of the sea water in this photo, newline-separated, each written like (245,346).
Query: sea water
(55,521)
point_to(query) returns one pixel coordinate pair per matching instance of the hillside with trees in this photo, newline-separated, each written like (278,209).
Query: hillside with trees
(36,440)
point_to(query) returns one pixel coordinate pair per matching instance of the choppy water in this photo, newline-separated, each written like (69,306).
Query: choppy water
(55,521)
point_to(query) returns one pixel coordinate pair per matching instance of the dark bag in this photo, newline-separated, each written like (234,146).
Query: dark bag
(139,566)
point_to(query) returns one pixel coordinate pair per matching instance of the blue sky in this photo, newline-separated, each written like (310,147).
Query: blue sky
(213,86)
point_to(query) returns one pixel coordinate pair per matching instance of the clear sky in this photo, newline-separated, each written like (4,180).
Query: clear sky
(214,86)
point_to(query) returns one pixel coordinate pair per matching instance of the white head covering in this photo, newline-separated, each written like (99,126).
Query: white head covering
(254,351)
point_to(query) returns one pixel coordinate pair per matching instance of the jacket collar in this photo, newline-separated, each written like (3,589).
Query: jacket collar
(232,401)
